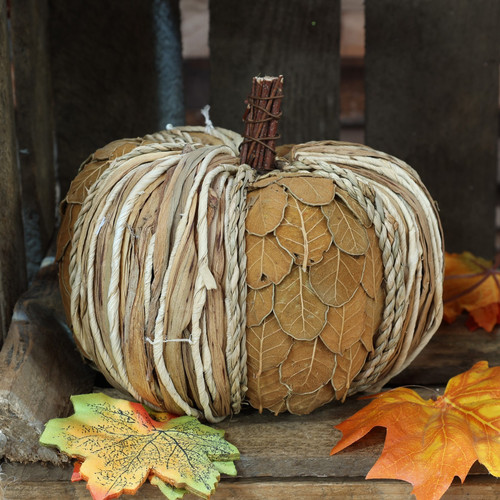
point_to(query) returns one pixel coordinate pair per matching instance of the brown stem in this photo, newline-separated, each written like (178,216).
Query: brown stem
(261,122)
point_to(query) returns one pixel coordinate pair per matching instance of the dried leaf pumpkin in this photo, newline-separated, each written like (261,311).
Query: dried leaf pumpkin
(193,281)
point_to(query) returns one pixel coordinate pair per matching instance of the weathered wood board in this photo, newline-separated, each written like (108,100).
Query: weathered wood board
(116,73)
(284,457)
(40,369)
(12,263)
(34,126)
(432,99)
(297,39)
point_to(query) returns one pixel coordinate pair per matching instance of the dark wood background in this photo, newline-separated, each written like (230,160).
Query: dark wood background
(76,75)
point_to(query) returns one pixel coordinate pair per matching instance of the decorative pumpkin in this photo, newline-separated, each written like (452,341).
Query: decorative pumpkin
(193,281)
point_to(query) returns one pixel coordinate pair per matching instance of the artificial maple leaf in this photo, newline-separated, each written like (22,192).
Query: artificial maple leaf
(428,442)
(472,284)
(120,446)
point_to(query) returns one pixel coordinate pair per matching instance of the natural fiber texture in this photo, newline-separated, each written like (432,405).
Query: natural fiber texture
(170,251)
(363,293)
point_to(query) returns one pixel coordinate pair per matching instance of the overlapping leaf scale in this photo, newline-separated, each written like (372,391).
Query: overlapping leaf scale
(303,404)
(373,274)
(267,261)
(259,304)
(267,345)
(310,190)
(354,206)
(337,277)
(266,208)
(265,390)
(330,299)
(348,365)
(298,309)
(304,233)
(345,324)
(308,367)
(348,233)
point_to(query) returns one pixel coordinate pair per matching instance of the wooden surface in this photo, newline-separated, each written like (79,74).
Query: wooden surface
(12,264)
(107,65)
(432,100)
(281,457)
(40,369)
(291,37)
(34,126)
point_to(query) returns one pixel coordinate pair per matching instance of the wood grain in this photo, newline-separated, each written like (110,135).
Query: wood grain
(40,369)
(438,109)
(452,350)
(297,39)
(12,263)
(107,62)
(29,482)
(34,125)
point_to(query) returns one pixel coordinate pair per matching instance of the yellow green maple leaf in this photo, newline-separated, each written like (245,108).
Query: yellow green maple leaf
(121,446)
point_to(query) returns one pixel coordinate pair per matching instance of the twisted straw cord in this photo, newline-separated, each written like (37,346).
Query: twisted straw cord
(236,290)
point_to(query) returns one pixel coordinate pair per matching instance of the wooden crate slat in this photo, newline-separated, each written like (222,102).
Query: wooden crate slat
(34,125)
(291,37)
(106,74)
(432,100)
(12,262)
(40,369)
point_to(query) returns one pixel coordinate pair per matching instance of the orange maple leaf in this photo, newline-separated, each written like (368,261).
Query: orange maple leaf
(471,284)
(428,442)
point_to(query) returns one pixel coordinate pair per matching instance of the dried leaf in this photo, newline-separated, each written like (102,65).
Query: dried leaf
(122,445)
(374,268)
(265,390)
(304,232)
(96,167)
(310,190)
(259,304)
(428,442)
(348,233)
(267,345)
(374,309)
(299,311)
(348,365)
(308,367)
(303,404)
(354,206)
(345,324)
(262,182)
(337,277)
(471,284)
(266,209)
(267,261)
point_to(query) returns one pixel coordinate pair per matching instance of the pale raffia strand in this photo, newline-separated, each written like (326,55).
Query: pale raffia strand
(97,207)
(375,180)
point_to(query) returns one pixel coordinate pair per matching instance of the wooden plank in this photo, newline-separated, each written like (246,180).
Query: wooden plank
(297,39)
(34,125)
(452,350)
(40,369)
(432,100)
(12,264)
(19,484)
(110,74)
